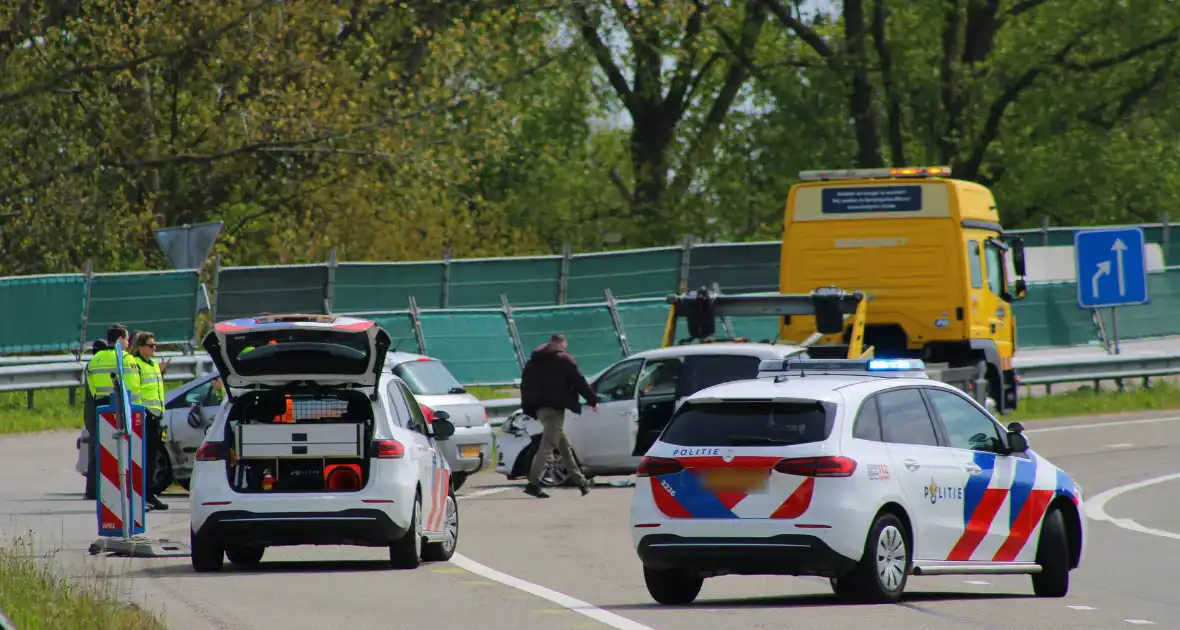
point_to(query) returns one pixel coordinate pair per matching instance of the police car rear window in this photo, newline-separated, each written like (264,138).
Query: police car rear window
(750,423)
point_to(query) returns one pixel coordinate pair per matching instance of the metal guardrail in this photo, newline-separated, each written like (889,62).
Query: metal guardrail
(68,374)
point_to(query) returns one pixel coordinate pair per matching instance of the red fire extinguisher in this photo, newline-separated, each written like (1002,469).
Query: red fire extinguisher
(268,480)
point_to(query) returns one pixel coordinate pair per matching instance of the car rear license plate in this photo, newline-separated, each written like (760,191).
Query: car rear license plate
(469,451)
(736,479)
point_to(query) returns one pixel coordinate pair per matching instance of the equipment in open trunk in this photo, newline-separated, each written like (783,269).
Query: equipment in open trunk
(302,440)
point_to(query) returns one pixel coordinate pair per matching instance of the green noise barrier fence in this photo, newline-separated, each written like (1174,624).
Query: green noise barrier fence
(565,292)
(68,312)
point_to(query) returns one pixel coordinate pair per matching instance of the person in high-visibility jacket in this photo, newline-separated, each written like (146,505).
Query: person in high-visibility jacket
(100,385)
(151,391)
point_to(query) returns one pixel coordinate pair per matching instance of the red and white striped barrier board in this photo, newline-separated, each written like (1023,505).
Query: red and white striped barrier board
(120,451)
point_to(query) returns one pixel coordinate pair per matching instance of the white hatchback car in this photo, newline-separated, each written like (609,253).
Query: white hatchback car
(636,399)
(319,445)
(865,472)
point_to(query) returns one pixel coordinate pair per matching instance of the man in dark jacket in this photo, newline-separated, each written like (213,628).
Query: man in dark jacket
(549,385)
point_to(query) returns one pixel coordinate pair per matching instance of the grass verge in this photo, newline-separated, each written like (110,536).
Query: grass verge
(51,410)
(1085,402)
(35,597)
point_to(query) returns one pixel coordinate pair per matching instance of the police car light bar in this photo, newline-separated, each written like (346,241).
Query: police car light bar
(876,173)
(842,365)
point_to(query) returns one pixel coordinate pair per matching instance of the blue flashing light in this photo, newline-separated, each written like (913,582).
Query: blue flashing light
(896,365)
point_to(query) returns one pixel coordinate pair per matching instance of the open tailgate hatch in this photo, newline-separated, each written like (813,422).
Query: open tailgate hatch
(274,350)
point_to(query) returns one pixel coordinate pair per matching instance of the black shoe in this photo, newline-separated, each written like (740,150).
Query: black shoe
(157,504)
(585,488)
(535,491)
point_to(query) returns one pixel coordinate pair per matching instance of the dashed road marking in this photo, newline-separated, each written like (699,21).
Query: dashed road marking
(482,493)
(1140,622)
(1096,507)
(977,582)
(1081,607)
(452,571)
(565,601)
(1120,445)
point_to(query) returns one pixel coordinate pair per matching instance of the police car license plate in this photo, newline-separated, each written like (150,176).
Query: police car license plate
(736,479)
(469,451)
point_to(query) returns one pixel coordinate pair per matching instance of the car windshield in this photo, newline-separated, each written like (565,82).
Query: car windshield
(428,378)
(750,423)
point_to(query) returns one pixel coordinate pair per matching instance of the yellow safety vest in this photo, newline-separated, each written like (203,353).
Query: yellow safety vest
(151,385)
(101,370)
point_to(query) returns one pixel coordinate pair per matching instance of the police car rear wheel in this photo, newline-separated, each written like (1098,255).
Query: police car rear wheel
(442,551)
(674,587)
(245,556)
(884,568)
(406,553)
(206,556)
(1053,556)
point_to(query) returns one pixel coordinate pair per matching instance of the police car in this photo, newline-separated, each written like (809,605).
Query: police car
(320,444)
(862,471)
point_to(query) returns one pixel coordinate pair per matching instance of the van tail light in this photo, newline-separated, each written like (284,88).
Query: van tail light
(817,466)
(427,411)
(657,466)
(211,452)
(388,449)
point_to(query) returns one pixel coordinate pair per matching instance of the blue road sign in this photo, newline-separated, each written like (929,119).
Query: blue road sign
(1112,267)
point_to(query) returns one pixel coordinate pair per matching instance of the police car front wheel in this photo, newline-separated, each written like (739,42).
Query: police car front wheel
(674,587)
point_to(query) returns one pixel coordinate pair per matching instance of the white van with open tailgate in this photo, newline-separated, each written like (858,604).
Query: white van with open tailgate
(319,445)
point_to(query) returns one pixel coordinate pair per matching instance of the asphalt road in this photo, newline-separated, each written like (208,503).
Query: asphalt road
(567,562)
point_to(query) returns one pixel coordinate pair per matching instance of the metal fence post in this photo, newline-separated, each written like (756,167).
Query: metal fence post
(216,281)
(685,262)
(416,323)
(612,307)
(563,273)
(1165,237)
(726,322)
(1045,231)
(513,335)
(331,288)
(446,283)
(89,273)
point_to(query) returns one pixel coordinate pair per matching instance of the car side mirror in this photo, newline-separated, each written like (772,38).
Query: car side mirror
(1015,427)
(1017,443)
(442,428)
(1018,264)
(195,419)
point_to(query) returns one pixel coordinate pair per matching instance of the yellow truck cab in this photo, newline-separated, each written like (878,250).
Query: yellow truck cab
(927,250)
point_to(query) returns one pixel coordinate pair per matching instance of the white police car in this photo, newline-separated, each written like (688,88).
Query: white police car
(865,472)
(319,445)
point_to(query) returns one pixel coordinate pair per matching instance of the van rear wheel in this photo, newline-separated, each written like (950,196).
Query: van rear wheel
(246,556)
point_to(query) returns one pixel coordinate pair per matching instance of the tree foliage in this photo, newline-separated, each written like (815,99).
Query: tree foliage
(392,129)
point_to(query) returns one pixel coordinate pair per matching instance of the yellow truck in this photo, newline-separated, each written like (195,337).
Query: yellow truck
(929,254)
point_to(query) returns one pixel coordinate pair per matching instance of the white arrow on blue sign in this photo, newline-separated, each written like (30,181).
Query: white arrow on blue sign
(1111,267)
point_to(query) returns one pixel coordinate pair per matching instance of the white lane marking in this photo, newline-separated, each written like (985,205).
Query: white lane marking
(1099,425)
(1140,622)
(565,601)
(1081,607)
(1120,445)
(482,493)
(977,582)
(1096,507)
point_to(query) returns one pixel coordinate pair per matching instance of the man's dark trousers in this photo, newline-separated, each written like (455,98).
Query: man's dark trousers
(89,420)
